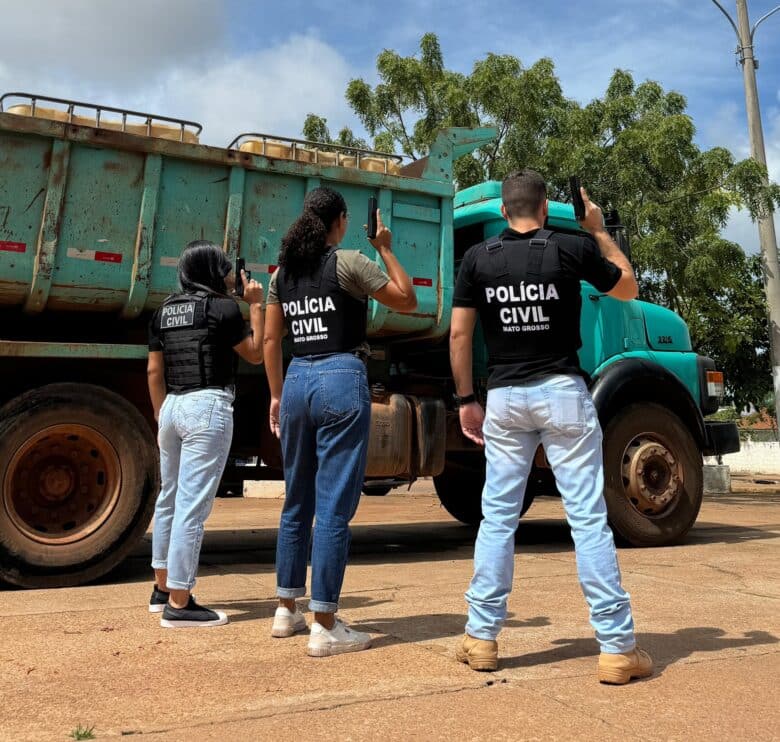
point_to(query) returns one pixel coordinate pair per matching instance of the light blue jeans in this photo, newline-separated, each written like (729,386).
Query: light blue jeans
(556,411)
(195,433)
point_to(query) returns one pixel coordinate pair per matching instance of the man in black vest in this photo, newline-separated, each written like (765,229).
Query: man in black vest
(524,286)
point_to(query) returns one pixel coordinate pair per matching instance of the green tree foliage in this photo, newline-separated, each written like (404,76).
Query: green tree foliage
(315,129)
(634,148)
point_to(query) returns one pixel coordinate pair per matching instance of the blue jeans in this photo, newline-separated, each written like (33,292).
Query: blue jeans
(324,419)
(195,433)
(556,411)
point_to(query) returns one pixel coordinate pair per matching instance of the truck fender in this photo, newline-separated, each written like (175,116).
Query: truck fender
(631,380)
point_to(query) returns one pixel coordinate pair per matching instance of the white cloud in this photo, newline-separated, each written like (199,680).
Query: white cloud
(96,45)
(173,58)
(269,91)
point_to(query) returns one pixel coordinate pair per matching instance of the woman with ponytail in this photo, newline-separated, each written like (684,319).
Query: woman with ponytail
(322,412)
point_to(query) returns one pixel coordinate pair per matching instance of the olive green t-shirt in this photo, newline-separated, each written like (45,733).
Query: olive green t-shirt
(357,275)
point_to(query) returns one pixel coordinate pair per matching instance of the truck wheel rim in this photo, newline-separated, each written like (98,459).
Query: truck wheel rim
(652,476)
(62,484)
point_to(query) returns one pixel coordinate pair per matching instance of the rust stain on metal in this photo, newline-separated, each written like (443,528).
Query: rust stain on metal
(113,167)
(421,315)
(57,162)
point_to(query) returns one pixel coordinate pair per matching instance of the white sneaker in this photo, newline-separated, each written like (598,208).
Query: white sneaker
(339,639)
(287,623)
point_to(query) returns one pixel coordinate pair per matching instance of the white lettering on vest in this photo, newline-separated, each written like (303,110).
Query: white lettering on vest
(177,315)
(308,305)
(522,318)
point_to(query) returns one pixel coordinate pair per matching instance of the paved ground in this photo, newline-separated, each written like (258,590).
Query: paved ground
(709,611)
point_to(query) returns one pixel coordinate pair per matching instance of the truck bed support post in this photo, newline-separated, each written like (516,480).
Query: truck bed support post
(142,264)
(48,237)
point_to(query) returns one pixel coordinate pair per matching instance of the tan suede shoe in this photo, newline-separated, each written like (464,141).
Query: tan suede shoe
(619,669)
(478,654)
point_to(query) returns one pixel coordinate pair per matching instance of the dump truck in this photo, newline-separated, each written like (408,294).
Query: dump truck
(96,205)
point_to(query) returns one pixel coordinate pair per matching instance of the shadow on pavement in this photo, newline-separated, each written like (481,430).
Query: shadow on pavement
(666,649)
(428,627)
(252,610)
(253,550)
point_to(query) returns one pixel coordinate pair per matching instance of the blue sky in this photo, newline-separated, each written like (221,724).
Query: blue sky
(242,65)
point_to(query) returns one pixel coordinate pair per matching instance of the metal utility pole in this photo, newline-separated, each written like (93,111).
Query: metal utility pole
(766,224)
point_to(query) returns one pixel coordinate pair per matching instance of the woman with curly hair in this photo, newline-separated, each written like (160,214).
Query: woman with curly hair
(322,413)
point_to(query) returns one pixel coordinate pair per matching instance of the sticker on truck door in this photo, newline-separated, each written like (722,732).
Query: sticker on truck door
(6,246)
(97,255)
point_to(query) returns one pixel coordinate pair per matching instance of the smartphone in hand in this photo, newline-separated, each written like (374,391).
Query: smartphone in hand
(240,266)
(576,198)
(371,222)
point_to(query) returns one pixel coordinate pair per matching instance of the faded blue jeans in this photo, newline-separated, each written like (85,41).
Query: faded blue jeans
(324,419)
(556,411)
(195,433)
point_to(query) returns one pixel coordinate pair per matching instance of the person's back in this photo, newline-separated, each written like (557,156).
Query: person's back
(322,411)
(525,288)
(195,339)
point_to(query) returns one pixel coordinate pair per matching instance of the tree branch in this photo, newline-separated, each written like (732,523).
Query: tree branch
(409,148)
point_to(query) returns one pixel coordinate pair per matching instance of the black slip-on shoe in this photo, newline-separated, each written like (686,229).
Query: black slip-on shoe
(193,616)
(158,601)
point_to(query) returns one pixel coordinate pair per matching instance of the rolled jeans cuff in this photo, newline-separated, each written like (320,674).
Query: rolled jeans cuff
(290,592)
(489,636)
(619,648)
(173,585)
(159,564)
(320,606)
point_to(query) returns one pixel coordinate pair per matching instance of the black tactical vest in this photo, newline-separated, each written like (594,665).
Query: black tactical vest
(194,357)
(320,316)
(529,307)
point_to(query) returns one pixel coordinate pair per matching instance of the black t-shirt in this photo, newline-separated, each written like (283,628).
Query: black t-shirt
(225,321)
(579,259)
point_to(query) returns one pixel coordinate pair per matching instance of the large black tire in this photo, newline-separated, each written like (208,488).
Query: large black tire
(79,475)
(653,475)
(460,485)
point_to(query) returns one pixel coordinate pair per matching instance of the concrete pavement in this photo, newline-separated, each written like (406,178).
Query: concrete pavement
(709,612)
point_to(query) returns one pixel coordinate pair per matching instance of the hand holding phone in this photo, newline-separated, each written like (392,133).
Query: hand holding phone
(576,198)
(371,223)
(241,266)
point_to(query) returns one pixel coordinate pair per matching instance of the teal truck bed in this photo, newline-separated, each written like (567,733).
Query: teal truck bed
(96,205)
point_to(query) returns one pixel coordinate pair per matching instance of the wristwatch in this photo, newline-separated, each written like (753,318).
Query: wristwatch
(467,399)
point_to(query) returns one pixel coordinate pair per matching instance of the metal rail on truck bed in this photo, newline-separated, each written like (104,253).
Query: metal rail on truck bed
(93,218)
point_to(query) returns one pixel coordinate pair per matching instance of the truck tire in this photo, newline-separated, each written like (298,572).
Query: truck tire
(652,474)
(460,485)
(79,475)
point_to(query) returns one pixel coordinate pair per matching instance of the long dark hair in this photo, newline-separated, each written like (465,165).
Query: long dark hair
(307,238)
(203,266)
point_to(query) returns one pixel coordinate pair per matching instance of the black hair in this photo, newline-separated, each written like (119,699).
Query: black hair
(203,266)
(307,238)
(523,192)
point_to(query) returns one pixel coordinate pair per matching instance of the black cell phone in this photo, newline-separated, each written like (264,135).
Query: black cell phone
(241,266)
(576,198)
(371,222)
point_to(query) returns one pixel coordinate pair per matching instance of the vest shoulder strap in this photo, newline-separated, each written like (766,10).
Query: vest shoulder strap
(536,249)
(496,256)
(316,279)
